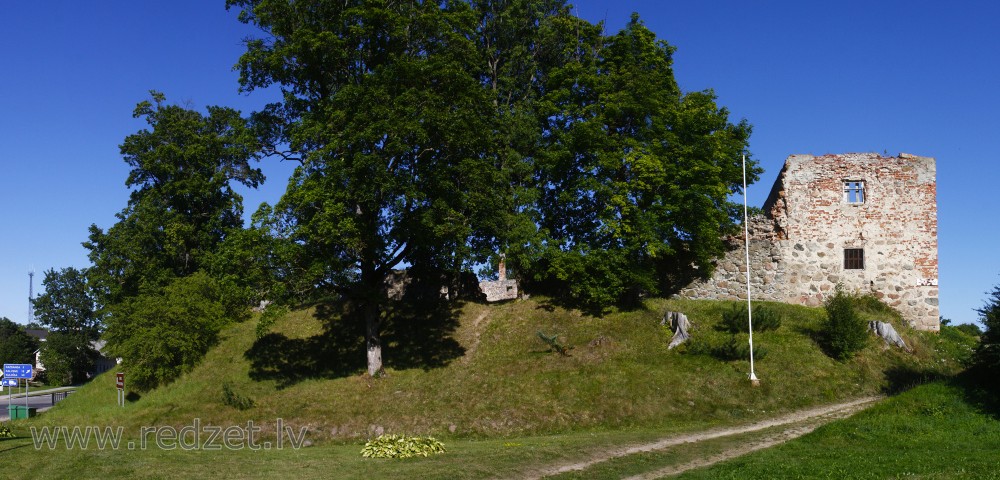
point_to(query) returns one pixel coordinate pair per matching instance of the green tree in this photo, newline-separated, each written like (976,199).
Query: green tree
(634,175)
(163,332)
(182,204)
(66,304)
(389,123)
(68,357)
(181,210)
(988,353)
(16,346)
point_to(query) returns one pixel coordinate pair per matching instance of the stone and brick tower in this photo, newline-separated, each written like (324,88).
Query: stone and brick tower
(862,220)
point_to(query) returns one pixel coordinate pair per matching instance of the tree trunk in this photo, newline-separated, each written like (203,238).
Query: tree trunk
(373,319)
(373,340)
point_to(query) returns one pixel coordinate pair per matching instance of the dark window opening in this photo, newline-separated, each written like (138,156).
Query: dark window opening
(854,258)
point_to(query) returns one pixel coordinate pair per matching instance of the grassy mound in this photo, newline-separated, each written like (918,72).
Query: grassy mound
(490,375)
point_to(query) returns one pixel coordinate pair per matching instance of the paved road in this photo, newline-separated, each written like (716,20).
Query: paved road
(41,400)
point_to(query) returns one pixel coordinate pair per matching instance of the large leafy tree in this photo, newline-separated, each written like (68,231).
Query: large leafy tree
(381,109)
(16,346)
(67,309)
(182,209)
(433,133)
(633,174)
(182,204)
(66,304)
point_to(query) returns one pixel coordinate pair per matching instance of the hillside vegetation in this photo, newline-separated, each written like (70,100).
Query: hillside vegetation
(486,373)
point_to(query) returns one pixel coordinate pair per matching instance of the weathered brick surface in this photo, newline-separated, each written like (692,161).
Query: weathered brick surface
(797,248)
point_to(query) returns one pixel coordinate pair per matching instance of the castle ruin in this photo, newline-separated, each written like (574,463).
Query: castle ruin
(862,220)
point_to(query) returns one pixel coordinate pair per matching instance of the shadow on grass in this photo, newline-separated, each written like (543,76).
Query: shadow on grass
(416,332)
(903,378)
(980,389)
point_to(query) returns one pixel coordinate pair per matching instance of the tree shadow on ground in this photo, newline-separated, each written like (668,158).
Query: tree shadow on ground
(417,332)
(902,378)
(980,389)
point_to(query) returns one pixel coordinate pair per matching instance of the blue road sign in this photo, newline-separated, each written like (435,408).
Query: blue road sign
(10,382)
(17,370)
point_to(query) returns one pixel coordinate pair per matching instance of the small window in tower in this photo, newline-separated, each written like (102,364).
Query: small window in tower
(854,191)
(854,259)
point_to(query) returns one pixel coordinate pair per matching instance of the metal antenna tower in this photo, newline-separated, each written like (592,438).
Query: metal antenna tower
(31,295)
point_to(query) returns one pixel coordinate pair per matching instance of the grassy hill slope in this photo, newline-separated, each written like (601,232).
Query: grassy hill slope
(492,376)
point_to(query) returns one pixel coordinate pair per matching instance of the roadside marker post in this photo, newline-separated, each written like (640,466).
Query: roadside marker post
(120,384)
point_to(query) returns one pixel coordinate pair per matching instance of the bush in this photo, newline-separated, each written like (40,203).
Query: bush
(267,319)
(738,348)
(765,318)
(235,399)
(401,446)
(68,358)
(969,329)
(164,332)
(845,332)
(988,353)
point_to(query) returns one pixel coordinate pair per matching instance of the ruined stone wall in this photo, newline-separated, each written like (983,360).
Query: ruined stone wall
(797,250)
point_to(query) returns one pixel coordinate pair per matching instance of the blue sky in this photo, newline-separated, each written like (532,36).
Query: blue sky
(811,77)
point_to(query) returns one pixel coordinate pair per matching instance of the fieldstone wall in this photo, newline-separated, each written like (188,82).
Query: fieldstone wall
(797,249)
(500,289)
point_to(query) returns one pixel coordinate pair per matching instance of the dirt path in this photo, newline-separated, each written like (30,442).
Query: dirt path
(475,340)
(799,423)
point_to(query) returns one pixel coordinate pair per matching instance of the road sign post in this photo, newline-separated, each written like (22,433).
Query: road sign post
(15,371)
(120,384)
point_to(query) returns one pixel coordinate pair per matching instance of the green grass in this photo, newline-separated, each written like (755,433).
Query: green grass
(504,403)
(931,431)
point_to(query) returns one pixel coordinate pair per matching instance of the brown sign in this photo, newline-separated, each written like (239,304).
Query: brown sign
(120,380)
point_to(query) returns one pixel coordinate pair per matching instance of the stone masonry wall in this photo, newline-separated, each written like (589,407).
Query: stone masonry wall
(797,248)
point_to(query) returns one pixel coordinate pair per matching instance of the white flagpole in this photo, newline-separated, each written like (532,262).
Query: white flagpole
(746,238)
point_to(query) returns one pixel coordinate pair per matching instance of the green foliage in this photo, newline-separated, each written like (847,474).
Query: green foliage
(738,348)
(553,342)
(5,431)
(988,353)
(970,329)
(16,346)
(870,304)
(235,399)
(734,320)
(401,446)
(845,332)
(182,203)
(634,176)
(66,305)
(164,332)
(68,357)
(270,315)
(728,348)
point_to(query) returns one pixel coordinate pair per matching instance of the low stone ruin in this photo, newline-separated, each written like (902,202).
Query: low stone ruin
(680,325)
(887,333)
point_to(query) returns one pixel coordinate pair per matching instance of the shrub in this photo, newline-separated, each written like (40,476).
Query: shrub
(871,304)
(845,332)
(988,353)
(235,399)
(163,333)
(5,432)
(969,329)
(765,318)
(738,348)
(401,446)
(271,314)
